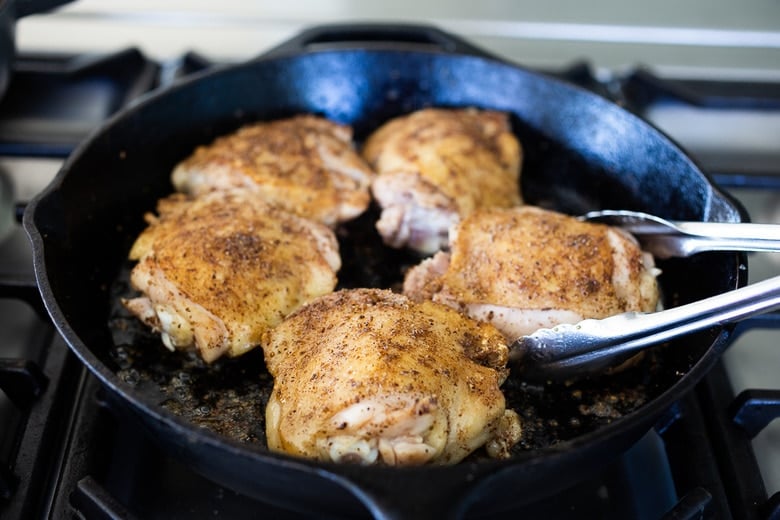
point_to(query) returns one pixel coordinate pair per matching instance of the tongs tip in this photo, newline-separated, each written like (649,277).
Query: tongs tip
(569,351)
(542,355)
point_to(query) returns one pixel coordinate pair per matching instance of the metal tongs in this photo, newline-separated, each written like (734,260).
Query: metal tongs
(593,346)
(668,238)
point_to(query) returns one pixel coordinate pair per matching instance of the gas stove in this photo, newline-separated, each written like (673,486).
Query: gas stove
(65,451)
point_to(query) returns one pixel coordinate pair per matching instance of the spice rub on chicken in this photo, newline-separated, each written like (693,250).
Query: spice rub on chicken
(437,165)
(526,268)
(367,376)
(306,164)
(217,271)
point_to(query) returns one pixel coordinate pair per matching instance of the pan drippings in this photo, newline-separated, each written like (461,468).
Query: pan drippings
(229,396)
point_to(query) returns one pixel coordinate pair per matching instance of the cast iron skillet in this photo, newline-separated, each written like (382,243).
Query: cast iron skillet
(582,152)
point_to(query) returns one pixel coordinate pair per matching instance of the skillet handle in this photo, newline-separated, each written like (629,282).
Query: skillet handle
(375,36)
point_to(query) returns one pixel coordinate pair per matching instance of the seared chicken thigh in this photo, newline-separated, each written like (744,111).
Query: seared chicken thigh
(437,165)
(217,271)
(305,164)
(367,376)
(526,268)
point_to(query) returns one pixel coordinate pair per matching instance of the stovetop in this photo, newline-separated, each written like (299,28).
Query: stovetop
(65,451)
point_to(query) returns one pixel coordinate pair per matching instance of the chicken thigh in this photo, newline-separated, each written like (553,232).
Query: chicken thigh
(306,164)
(217,271)
(437,165)
(367,376)
(526,268)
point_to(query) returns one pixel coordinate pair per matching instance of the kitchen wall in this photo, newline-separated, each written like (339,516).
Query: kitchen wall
(695,38)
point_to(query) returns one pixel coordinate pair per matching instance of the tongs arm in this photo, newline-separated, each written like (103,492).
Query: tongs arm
(698,237)
(592,346)
(667,238)
(670,245)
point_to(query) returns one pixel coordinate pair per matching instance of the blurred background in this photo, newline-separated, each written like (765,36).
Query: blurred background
(718,38)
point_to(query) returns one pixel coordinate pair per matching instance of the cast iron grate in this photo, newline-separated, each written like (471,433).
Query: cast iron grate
(54,101)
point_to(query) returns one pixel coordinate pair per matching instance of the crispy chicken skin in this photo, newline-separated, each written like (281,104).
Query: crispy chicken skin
(526,268)
(437,165)
(367,376)
(306,164)
(217,271)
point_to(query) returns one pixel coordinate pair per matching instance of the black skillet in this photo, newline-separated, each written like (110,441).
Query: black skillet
(582,153)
